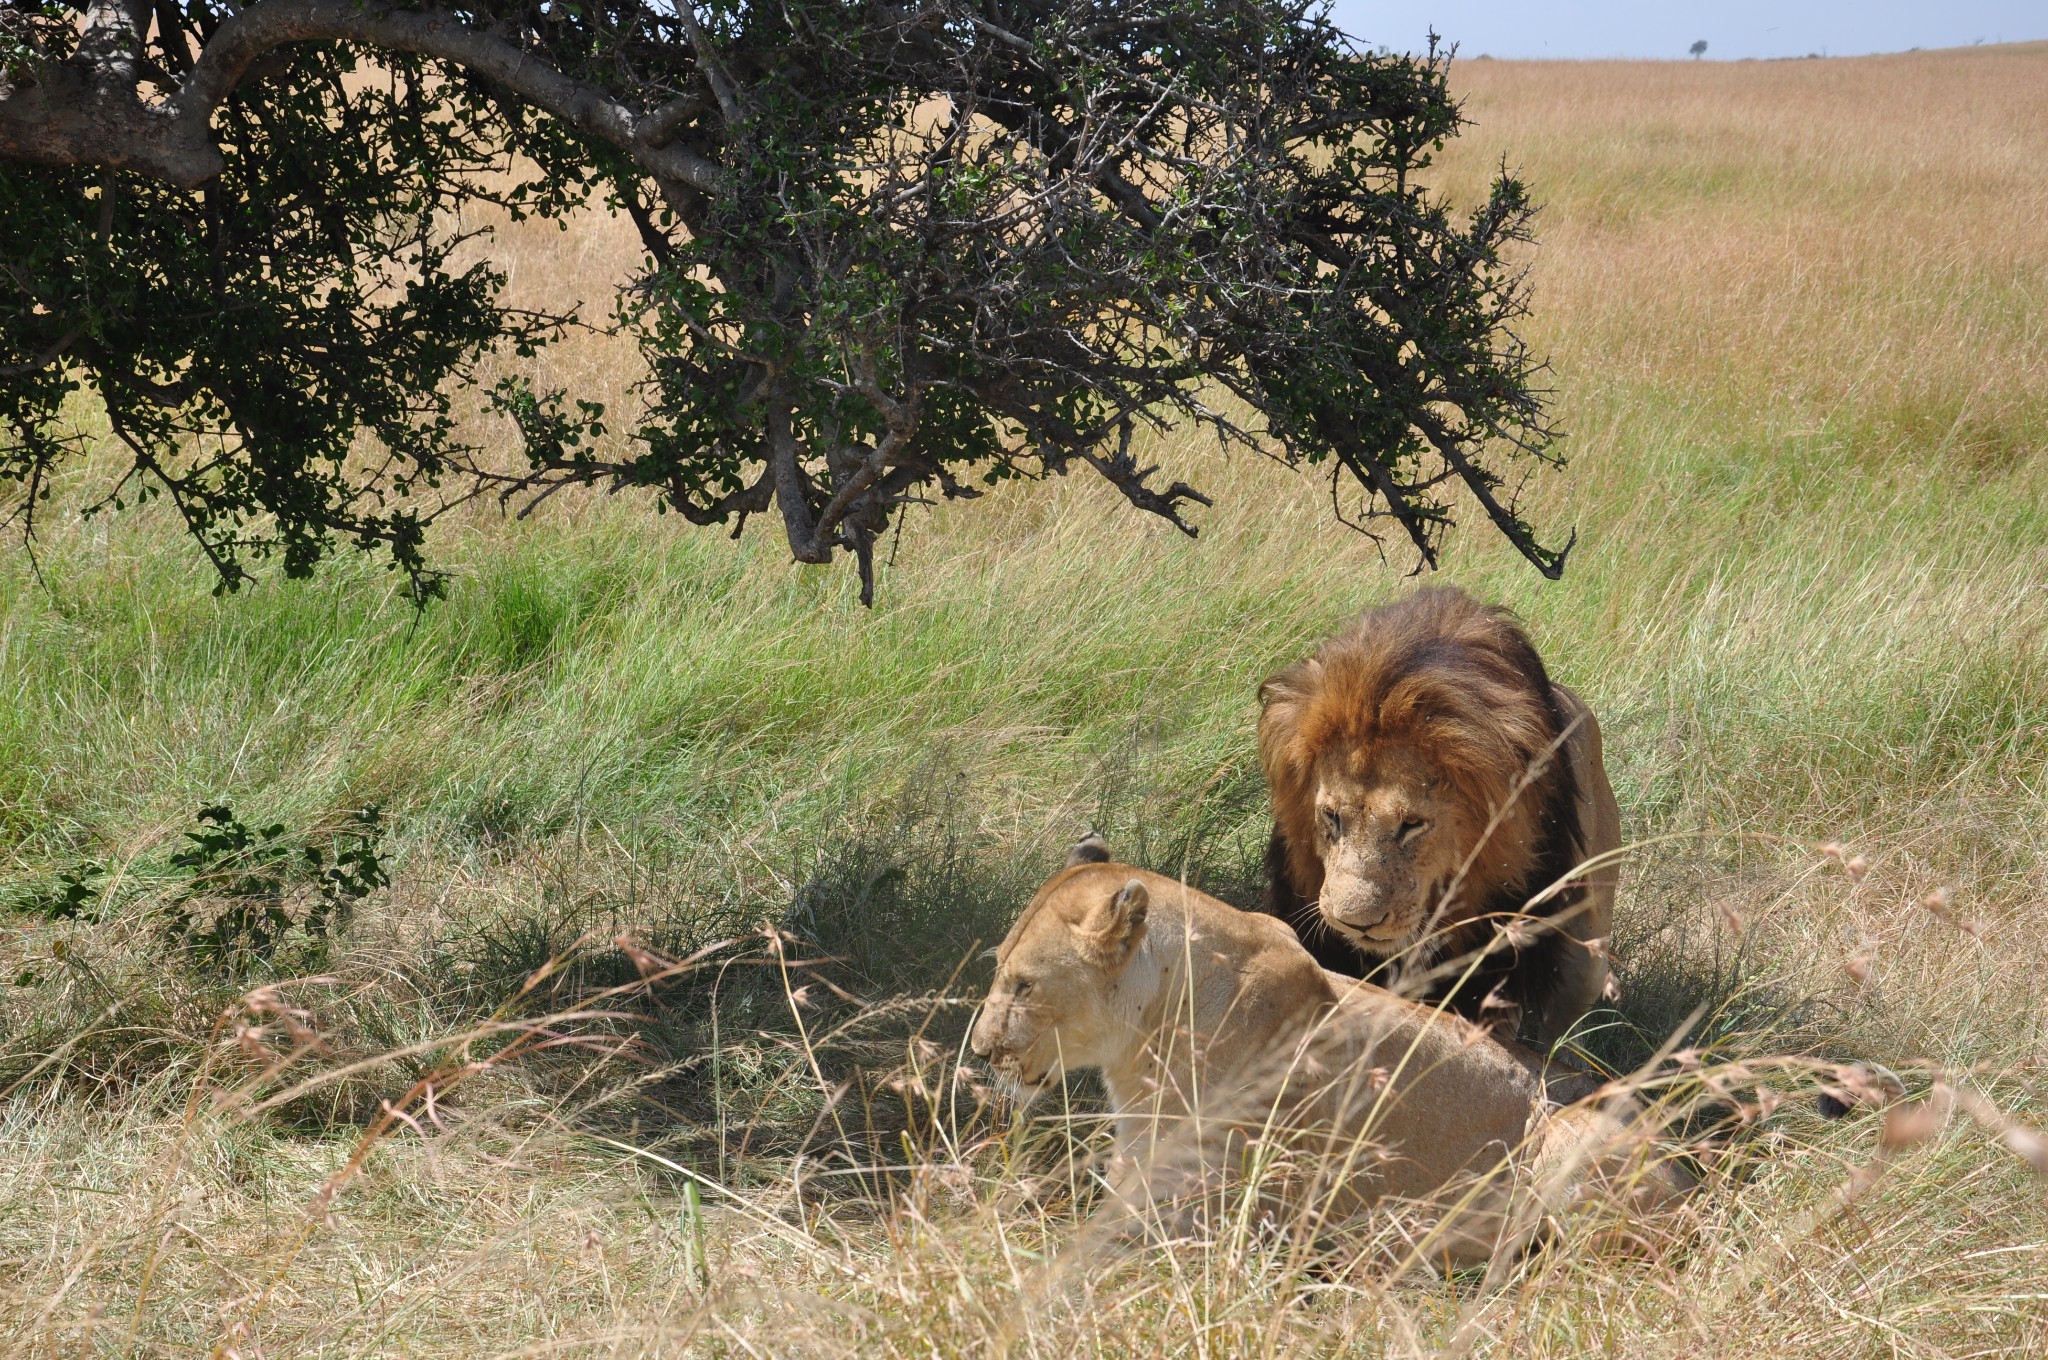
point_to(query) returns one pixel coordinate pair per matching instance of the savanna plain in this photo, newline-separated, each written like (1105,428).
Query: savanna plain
(1798,319)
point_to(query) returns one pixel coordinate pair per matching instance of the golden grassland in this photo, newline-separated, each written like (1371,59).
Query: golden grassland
(1798,313)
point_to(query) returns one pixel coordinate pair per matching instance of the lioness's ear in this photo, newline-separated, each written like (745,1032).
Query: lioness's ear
(1112,930)
(1090,849)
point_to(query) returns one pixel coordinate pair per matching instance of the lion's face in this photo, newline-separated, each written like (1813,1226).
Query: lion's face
(1388,835)
(1048,1009)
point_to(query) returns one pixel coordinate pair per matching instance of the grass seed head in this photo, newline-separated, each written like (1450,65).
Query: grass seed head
(1911,1124)
(2028,1145)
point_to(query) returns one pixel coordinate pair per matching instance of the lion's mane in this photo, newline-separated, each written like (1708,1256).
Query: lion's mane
(1461,684)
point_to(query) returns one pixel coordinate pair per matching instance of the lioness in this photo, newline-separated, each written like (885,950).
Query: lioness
(1224,1044)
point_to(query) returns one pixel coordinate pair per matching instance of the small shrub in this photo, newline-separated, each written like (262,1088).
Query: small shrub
(250,895)
(68,899)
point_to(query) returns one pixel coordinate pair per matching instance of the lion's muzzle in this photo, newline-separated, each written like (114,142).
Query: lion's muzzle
(1369,903)
(1362,908)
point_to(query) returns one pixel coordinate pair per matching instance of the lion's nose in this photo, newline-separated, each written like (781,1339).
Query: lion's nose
(1361,908)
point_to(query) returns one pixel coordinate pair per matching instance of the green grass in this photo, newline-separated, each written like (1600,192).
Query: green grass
(1810,474)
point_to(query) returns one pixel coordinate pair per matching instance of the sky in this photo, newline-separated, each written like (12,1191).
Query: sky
(1732,28)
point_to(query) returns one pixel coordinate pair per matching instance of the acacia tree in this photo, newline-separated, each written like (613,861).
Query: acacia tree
(894,251)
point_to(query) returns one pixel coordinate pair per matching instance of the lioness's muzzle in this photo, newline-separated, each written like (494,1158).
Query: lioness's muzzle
(1021,1089)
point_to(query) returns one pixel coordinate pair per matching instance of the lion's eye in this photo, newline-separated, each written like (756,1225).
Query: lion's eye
(1333,823)
(1412,827)
(1018,989)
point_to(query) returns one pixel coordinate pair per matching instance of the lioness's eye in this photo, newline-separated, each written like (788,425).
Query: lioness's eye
(1020,987)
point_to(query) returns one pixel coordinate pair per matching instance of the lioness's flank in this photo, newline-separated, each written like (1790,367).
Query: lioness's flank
(1428,781)
(1224,1045)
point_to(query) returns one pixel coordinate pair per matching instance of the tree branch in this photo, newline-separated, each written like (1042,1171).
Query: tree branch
(793,489)
(273,23)
(1122,471)
(1481,484)
(1336,426)
(707,61)
(50,355)
(86,111)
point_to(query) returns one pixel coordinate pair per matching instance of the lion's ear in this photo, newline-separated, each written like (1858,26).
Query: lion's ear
(1090,849)
(1112,929)
(1298,681)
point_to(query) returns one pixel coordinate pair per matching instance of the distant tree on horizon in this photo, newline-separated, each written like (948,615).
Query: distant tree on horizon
(1699,49)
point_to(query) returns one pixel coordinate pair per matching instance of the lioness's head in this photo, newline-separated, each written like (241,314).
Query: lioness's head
(1051,1006)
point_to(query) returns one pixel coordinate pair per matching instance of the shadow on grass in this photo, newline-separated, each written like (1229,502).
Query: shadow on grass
(823,1019)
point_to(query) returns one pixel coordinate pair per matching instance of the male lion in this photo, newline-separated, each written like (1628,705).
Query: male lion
(1428,781)
(1229,1055)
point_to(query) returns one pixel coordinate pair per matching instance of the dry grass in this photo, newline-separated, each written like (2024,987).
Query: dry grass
(1797,312)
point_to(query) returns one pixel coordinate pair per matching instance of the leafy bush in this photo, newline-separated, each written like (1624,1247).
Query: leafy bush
(69,897)
(253,896)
